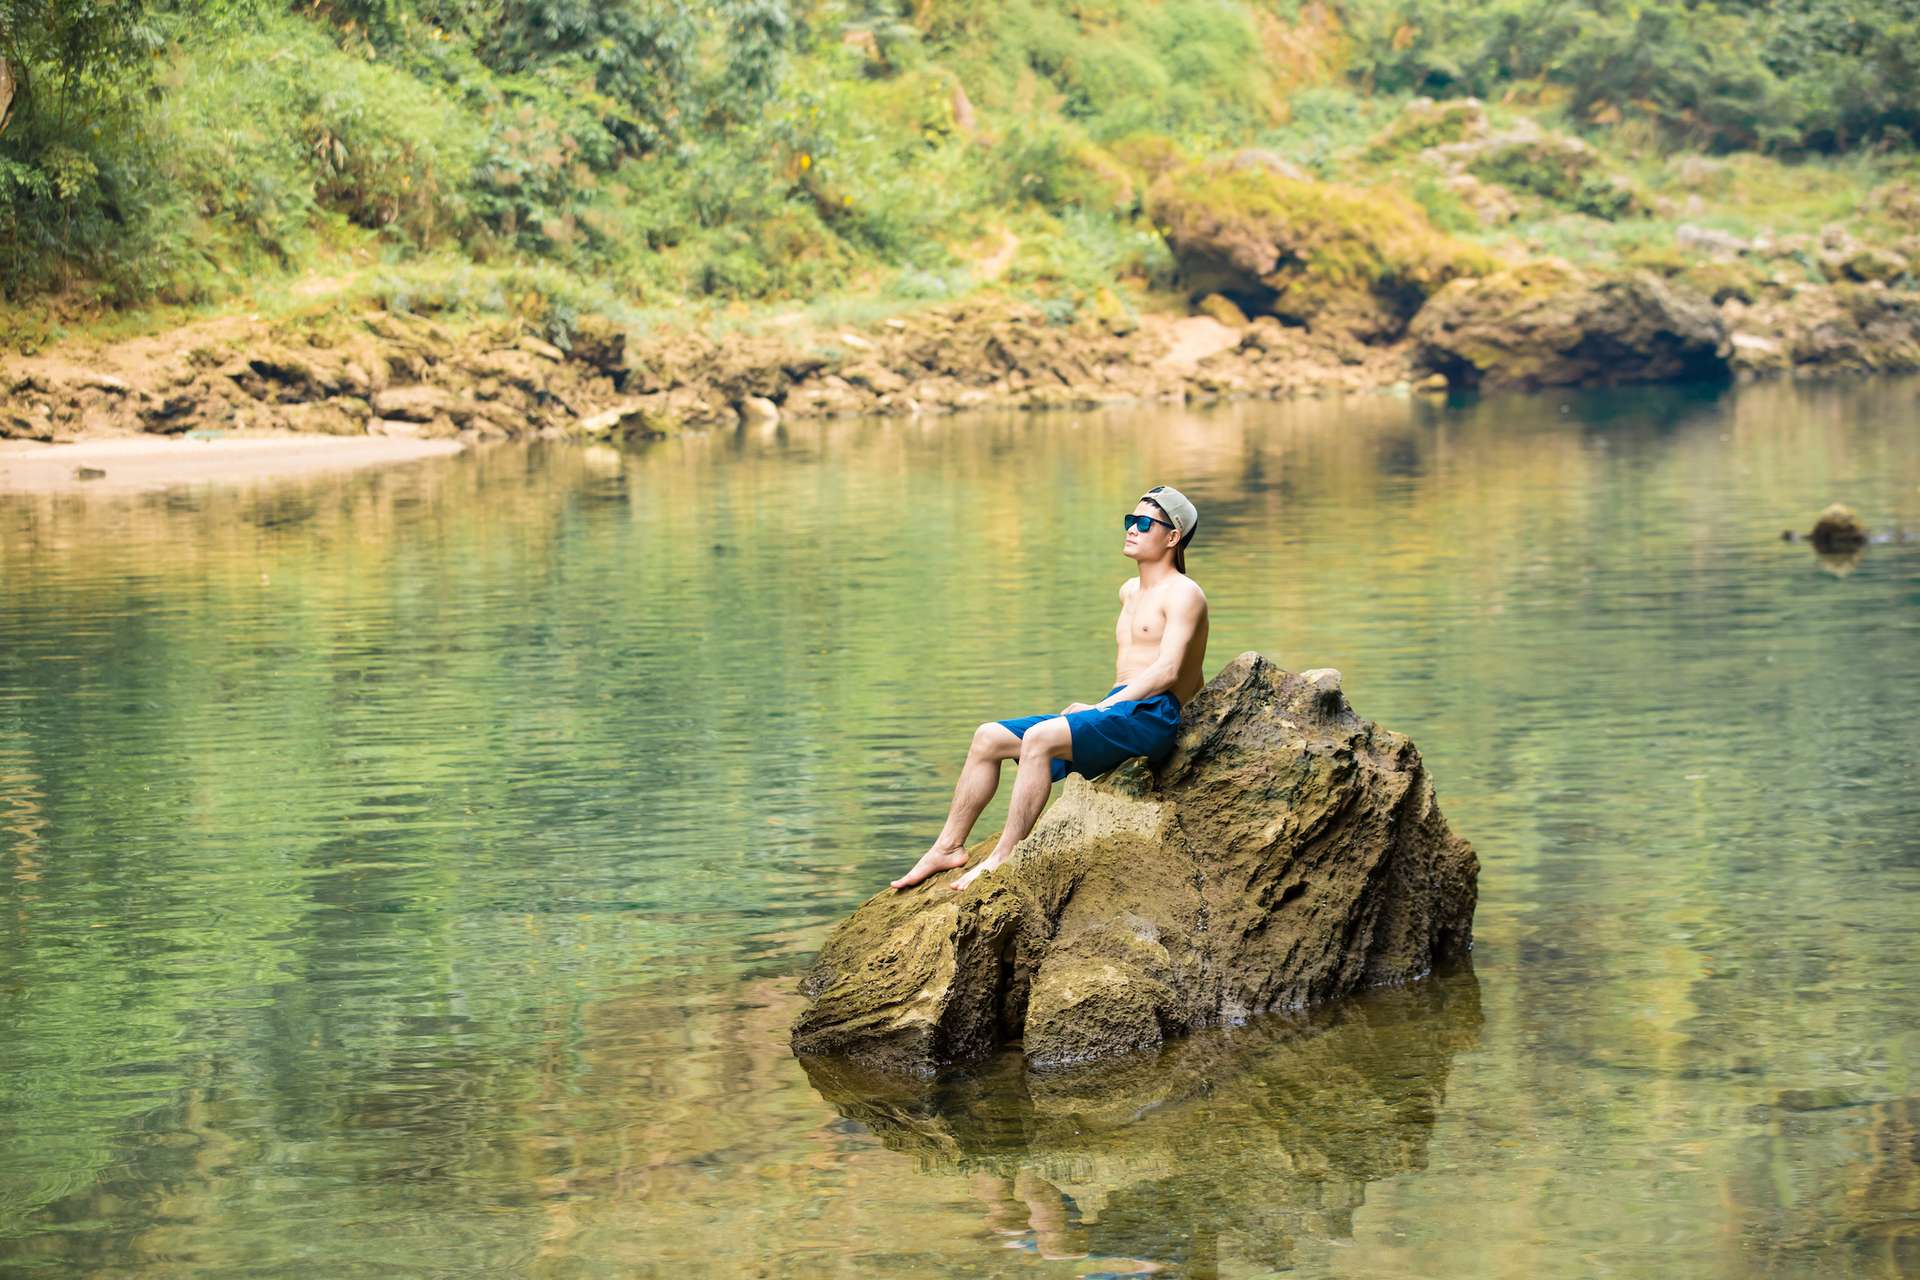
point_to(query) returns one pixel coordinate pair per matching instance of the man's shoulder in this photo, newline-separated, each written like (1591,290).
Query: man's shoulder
(1177,587)
(1189,588)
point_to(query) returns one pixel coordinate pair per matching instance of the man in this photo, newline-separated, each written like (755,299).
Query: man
(1162,638)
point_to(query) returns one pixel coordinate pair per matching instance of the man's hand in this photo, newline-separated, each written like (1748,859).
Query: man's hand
(1072,707)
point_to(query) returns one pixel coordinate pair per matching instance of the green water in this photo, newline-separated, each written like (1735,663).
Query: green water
(408,874)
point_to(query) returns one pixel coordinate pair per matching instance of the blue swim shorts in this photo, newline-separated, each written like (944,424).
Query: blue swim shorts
(1105,736)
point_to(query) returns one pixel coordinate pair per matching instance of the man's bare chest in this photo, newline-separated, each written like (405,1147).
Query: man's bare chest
(1143,620)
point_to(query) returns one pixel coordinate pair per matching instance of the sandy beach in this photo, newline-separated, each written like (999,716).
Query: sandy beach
(139,464)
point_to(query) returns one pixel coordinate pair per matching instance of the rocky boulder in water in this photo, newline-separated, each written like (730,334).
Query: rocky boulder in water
(1547,325)
(1288,852)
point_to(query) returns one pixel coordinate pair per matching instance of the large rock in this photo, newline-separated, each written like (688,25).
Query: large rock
(1548,324)
(1833,329)
(1313,253)
(1286,853)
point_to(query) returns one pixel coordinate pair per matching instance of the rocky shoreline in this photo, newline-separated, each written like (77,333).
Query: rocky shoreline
(1288,284)
(399,375)
(403,375)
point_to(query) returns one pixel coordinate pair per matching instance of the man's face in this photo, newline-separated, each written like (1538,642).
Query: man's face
(1157,540)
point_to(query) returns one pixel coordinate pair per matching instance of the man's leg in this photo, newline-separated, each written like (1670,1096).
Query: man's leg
(979,779)
(1038,749)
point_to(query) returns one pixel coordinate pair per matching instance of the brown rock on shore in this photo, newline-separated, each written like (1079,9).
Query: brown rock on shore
(1547,324)
(1287,853)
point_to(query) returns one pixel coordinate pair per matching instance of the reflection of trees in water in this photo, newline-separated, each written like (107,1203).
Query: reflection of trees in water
(1832,1185)
(1237,1144)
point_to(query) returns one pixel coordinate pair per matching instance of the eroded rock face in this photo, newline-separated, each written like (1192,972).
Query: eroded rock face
(1331,258)
(1287,852)
(1827,329)
(1547,324)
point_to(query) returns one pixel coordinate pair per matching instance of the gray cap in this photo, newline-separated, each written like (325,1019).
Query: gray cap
(1175,504)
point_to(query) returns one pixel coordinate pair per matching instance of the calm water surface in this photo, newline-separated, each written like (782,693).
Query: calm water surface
(408,874)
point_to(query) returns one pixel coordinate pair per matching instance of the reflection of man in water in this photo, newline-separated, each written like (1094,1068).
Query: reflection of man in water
(1162,639)
(1031,1212)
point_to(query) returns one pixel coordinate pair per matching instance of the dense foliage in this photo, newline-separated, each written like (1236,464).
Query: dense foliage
(1822,74)
(778,148)
(75,77)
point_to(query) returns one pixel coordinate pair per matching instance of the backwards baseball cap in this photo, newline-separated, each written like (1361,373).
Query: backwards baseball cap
(1175,504)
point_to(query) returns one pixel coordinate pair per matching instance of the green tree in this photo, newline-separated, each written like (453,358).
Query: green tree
(75,73)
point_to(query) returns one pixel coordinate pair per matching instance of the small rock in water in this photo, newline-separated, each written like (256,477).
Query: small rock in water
(1838,529)
(88,473)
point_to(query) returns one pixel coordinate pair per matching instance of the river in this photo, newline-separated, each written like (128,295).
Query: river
(408,874)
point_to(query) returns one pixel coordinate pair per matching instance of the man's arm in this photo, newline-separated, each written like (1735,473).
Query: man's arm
(1183,619)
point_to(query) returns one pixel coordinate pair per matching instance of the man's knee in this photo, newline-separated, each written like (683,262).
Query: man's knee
(994,741)
(1046,740)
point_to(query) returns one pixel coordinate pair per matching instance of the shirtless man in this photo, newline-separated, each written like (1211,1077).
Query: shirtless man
(1162,639)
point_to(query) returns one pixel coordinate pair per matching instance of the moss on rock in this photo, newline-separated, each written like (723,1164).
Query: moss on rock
(1311,252)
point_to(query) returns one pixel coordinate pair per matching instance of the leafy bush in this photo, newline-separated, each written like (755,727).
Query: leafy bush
(1824,74)
(73,184)
(1197,70)
(269,128)
(763,149)
(1564,170)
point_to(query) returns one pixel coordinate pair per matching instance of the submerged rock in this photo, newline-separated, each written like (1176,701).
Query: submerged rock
(1286,853)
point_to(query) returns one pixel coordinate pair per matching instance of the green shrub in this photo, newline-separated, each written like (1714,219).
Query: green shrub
(268,128)
(1446,210)
(1824,74)
(74,184)
(1053,165)
(1197,70)
(1563,170)
(1425,123)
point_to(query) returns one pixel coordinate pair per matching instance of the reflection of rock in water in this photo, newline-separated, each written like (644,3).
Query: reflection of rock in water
(1239,1142)
(1839,563)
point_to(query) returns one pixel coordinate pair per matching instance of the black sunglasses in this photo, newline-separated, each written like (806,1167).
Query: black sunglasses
(1143,523)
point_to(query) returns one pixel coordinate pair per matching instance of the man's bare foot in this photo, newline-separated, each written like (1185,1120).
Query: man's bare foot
(933,860)
(992,862)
